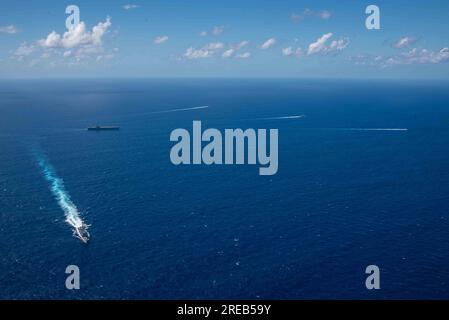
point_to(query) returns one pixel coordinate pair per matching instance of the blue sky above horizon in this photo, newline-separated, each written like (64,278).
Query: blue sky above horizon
(205,38)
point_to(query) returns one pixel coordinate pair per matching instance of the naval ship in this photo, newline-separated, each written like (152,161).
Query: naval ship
(102,128)
(82,233)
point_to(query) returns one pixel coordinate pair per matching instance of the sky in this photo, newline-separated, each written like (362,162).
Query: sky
(209,38)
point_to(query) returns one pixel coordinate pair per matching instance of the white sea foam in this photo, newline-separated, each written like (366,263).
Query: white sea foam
(61,195)
(373,129)
(283,117)
(121,118)
(182,109)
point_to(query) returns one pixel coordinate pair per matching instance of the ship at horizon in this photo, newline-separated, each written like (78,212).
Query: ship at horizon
(102,128)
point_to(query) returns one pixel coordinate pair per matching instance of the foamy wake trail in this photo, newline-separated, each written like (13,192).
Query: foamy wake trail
(57,188)
(283,118)
(374,129)
(182,109)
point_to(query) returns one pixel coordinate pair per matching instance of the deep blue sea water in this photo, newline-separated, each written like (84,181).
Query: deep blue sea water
(341,200)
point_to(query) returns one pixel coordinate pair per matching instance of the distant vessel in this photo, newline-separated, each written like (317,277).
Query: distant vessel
(82,233)
(102,128)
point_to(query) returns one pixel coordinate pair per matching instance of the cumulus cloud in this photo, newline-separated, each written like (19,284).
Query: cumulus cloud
(77,37)
(71,47)
(214,46)
(413,56)
(11,29)
(406,57)
(23,50)
(161,39)
(234,48)
(241,44)
(216,31)
(425,56)
(206,51)
(321,46)
(289,52)
(268,44)
(192,53)
(228,53)
(338,45)
(323,15)
(404,42)
(130,6)
(84,53)
(53,40)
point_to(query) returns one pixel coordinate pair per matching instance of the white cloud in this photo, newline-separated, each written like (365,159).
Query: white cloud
(320,46)
(214,46)
(244,55)
(130,6)
(228,53)
(424,56)
(161,39)
(77,36)
(11,29)
(234,48)
(323,15)
(87,52)
(77,44)
(193,53)
(269,43)
(288,52)
(241,44)
(413,56)
(53,40)
(338,45)
(216,31)
(206,51)
(404,42)
(23,50)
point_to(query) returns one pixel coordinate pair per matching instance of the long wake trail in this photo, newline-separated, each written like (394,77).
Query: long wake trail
(373,129)
(181,109)
(284,117)
(71,212)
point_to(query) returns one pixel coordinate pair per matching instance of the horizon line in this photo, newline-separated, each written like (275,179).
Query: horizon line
(220,78)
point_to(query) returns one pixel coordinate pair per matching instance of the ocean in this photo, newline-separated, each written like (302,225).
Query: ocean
(350,191)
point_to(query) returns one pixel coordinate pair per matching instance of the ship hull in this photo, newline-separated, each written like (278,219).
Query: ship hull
(103,129)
